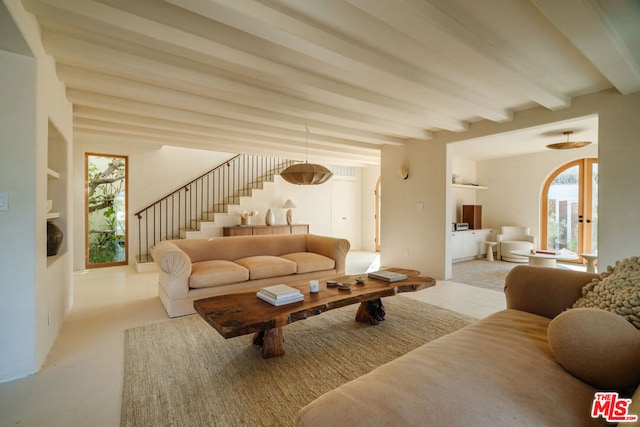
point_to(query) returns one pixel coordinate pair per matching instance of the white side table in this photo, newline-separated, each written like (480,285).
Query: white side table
(591,265)
(490,246)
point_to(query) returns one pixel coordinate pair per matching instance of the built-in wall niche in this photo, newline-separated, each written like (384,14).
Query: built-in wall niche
(57,179)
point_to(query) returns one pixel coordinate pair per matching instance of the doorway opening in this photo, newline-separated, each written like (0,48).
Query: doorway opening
(106,207)
(570,208)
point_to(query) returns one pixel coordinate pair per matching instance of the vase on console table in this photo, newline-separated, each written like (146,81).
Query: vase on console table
(270,217)
(246,215)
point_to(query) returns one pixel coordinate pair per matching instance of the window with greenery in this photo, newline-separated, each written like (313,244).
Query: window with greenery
(106,208)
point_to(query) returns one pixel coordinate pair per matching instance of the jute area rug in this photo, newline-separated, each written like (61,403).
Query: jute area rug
(481,273)
(183,373)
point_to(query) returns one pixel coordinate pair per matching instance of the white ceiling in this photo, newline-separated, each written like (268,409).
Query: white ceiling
(527,141)
(249,75)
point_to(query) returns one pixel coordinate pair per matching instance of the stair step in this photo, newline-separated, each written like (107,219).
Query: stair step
(221,208)
(145,264)
(208,216)
(144,258)
(202,229)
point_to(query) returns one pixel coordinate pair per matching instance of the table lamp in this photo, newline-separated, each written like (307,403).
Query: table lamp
(289,205)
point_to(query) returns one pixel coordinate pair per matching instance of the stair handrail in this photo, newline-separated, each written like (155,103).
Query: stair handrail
(225,163)
(183,208)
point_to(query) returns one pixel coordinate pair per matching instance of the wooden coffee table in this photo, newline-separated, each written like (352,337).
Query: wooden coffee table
(239,314)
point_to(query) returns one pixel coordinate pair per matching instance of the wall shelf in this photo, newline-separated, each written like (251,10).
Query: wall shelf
(469,186)
(57,192)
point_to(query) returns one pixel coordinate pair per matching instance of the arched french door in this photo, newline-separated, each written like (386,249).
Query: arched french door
(570,208)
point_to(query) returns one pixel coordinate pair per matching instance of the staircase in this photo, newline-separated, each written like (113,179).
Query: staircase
(189,211)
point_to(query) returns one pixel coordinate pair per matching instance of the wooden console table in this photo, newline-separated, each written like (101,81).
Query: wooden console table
(260,230)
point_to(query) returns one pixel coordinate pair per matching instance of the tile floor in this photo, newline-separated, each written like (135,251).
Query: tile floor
(80,383)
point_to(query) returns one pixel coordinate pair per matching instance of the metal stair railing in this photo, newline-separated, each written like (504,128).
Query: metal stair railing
(203,197)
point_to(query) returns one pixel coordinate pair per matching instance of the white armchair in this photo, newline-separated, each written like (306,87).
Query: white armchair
(513,238)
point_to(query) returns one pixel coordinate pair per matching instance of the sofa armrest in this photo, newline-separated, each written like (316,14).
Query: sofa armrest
(544,291)
(175,265)
(331,247)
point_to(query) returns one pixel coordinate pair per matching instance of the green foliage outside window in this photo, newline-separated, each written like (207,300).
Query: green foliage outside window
(106,186)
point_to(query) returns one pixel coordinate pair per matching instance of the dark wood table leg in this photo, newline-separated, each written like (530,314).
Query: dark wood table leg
(370,312)
(258,339)
(271,341)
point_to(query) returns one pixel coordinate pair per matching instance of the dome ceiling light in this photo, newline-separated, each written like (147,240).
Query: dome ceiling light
(568,144)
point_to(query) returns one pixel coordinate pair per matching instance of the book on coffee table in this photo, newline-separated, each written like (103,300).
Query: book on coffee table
(279,301)
(280,291)
(389,276)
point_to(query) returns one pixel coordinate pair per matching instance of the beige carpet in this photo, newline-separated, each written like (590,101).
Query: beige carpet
(481,273)
(182,373)
(491,275)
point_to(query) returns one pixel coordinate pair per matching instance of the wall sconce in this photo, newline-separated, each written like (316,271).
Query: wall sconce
(403,172)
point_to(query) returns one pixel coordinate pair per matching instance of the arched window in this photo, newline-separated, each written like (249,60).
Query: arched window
(570,208)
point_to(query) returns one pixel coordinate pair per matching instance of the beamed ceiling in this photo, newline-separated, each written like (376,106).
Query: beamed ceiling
(250,75)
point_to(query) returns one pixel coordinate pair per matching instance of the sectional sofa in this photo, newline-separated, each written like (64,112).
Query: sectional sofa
(534,364)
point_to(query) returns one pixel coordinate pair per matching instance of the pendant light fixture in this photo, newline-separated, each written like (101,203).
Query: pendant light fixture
(568,144)
(306,173)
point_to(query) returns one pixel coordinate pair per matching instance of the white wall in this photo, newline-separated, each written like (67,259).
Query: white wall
(619,176)
(414,215)
(34,296)
(17,178)
(341,207)
(619,204)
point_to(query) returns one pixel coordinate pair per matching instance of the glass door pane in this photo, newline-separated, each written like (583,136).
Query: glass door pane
(562,211)
(106,208)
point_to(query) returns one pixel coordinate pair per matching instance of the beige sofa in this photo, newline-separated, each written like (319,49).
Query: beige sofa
(199,268)
(499,371)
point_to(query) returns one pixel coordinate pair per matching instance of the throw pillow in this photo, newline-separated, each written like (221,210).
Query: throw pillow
(597,346)
(617,290)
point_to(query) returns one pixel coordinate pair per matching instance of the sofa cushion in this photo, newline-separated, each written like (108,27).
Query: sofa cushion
(308,261)
(263,266)
(206,274)
(597,346)
(618,291)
